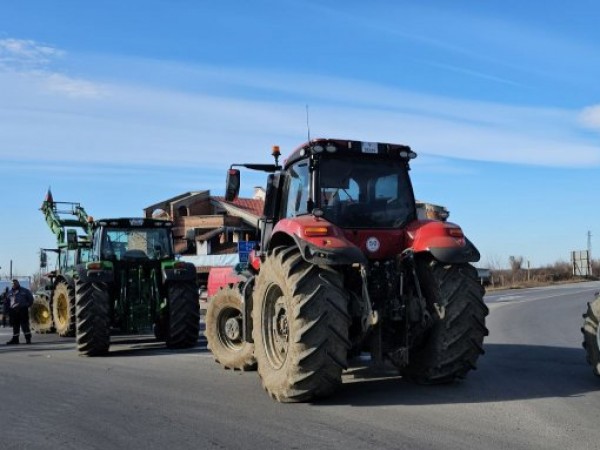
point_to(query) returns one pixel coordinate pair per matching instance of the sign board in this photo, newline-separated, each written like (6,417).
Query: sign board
(581,263)
(244,249)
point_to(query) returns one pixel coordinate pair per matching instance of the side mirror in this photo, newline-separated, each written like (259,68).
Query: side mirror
(273,195)
(72,239)
(232,187)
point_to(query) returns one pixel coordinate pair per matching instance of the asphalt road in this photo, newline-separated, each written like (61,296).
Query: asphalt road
(533,389)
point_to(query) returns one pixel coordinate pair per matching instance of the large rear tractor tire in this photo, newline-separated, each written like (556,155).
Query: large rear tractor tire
(455,342)
(224,331)
(93,318)
(184,315)
(40,315)
(63,309)
(160,327)
(300,327)
(591,335)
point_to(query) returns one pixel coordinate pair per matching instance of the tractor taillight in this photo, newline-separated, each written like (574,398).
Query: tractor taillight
(97,265)
(316,231)
(455,232)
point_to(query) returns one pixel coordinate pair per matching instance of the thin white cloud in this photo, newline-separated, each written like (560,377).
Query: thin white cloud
(33,61)
(590,117)
(440,165)
(25,53)
(72,87)
(503,41)
(75,121)
(473,73)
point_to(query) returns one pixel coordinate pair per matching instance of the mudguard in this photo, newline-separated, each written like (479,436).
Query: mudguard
(319,241)
(102,274)
(444,240)
(178,271)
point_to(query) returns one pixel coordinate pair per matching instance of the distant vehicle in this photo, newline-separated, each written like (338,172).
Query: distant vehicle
(485,276)
(134,283)
(219,277)
(431,211)
(53,308)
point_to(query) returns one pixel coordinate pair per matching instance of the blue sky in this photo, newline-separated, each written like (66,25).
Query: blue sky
(118,105)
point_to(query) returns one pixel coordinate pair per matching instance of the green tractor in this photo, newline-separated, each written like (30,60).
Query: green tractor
(53,308)
(134,284)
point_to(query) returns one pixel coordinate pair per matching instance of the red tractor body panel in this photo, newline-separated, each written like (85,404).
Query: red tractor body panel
(444,239)
(318,232)
(378,243)
(423,235)
(220,277)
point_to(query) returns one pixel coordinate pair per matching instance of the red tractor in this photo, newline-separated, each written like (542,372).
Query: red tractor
(345,267)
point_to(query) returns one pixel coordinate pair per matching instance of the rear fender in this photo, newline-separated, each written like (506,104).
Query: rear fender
(96,272)
(444,240)
(319,241)
(178,271)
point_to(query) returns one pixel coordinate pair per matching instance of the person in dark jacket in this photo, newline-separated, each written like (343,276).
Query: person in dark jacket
(20,300)
(5,307)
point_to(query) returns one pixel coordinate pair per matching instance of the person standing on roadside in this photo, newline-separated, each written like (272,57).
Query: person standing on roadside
(5,307)
(20,299)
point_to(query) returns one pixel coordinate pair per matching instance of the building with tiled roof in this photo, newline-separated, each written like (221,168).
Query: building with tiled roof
(207,229)
(248,209)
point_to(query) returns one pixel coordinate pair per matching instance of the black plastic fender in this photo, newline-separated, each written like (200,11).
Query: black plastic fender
(330,257)
(95,275)
(456,255)
(185,273)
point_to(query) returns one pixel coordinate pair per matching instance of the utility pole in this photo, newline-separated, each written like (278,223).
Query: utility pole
(10,272)
(589,249)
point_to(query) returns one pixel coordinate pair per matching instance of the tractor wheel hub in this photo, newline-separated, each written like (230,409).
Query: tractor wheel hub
(232,329)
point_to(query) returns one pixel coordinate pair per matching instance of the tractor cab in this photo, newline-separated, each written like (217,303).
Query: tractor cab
(133,239)
(354,184)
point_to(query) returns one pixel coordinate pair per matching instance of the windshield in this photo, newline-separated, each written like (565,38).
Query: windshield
(121,243)
(85,254)
(365,193)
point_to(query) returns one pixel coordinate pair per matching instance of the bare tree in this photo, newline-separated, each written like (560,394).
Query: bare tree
(493,262)
(516,263)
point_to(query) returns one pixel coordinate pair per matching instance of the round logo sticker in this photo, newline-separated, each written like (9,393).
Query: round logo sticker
(372,244)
